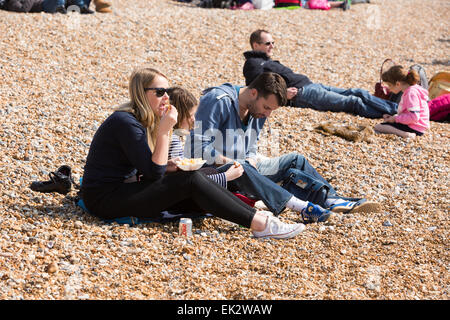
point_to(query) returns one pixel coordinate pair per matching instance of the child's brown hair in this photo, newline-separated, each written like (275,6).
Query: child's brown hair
(398,73)
(183,101)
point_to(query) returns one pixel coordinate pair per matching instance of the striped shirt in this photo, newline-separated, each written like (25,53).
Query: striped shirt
(176,151)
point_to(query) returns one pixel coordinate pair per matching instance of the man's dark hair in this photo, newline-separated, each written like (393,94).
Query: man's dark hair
(269,83)
(256,36)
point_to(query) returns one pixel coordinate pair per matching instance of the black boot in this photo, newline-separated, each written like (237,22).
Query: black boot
(60,181)
(345,5)
(61,9)
(86,10)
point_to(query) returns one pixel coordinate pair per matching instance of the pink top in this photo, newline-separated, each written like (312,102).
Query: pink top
(413,109)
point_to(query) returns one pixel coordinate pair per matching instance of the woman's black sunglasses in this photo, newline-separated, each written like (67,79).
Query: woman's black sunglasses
(159,92)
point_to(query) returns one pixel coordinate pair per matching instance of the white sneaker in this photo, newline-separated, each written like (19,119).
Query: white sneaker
(279,230)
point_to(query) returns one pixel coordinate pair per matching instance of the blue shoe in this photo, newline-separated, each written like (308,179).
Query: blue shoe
(315,213)
(346,207)
(361,205)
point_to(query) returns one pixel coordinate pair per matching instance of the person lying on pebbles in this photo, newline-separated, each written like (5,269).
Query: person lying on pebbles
(302,92)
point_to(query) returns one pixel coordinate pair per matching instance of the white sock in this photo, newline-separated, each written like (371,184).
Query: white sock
(296,204)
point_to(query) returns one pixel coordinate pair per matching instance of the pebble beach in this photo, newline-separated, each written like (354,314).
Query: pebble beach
(62,75)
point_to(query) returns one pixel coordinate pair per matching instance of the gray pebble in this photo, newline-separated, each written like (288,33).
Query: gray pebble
(387,223)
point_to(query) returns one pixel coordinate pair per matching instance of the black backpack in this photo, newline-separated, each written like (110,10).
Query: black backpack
(305,186)
(224,4)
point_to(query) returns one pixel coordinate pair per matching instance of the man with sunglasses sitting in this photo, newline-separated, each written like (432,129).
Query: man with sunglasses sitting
(302,92)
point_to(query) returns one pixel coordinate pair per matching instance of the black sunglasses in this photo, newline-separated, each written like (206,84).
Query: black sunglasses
(159,92)
(268,43)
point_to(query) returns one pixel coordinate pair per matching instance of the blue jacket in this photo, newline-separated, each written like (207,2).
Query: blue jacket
(219,130)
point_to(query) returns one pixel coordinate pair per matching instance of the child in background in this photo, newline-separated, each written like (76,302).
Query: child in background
(186,105)
(413,117)
(327,5)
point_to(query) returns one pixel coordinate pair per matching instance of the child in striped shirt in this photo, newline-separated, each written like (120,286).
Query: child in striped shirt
(186,105)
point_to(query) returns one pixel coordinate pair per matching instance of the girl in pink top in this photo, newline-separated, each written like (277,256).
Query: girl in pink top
(413,115)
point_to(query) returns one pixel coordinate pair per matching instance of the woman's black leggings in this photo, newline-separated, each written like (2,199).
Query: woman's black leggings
(176,191)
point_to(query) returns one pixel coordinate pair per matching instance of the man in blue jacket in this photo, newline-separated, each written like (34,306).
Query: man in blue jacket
(302,92)
(229,120)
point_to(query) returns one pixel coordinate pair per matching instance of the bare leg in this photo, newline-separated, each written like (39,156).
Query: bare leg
(385,128)
(335,4)
(259,222)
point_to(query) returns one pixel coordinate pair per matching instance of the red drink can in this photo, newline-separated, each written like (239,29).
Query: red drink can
(185,227)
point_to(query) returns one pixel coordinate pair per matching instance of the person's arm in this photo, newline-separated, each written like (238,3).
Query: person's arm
(219,178)
(221,159)
(133,141)
(233,172)
(168,120)
(411,103)
(253,161)
(254,67)
(252,138)
(132,138)
(206,141)
(288,75)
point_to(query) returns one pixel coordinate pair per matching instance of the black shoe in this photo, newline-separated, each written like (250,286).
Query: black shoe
(206,4)
(60,181)
(61,9)
(346,5)
(86,10)
(227,4)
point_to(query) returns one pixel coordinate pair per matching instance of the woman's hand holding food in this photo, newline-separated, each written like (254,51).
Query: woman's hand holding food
(168,119)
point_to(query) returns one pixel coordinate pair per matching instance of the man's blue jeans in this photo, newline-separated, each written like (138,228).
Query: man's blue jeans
(50,6)
(276,168)
(355,101)
(252,183)
(79,3)
(261,181)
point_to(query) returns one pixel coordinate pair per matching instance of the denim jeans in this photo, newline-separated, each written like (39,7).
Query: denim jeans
(50,6)
(252,183)
(79,3)
(262,181)
(276,168)
(355,101)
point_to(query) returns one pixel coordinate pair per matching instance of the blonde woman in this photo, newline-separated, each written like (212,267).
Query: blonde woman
(136,137)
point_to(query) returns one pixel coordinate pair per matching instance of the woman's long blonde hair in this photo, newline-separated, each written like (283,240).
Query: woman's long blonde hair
(139,106)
